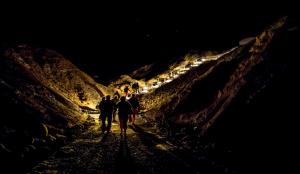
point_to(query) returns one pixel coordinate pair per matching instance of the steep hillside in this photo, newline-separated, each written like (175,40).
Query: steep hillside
(197,98)
(43,99)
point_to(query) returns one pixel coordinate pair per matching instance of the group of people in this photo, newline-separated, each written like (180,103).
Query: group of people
(135,87)
(127,110)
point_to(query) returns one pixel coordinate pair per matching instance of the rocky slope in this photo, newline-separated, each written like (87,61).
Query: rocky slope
(43,99)
(200,96)
(238,109)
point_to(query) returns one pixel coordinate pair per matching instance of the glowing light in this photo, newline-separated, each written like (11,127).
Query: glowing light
(155,86)
(168,80)
(175,76)
(196,63)
(145,90)
(181,72)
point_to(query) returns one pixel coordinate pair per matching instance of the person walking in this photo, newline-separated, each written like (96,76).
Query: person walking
(100,107)
(135,107)
(108,111)
(124,110)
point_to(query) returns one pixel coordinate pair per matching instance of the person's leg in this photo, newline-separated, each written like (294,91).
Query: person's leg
(121,122)
(130,118)
(125,124)
(100,122)
(133,116)
(109,118)
(103,127)
(121,126)
(114,116)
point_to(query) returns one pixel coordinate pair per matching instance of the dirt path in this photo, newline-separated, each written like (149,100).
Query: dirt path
(139,152)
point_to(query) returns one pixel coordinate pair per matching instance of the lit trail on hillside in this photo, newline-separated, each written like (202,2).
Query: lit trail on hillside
(169,76)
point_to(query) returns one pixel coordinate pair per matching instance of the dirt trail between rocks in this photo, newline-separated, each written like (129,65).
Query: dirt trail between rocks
(93,152)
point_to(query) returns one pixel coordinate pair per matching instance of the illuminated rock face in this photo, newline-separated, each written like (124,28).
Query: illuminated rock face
(37,75)
(198,97)
(196,90)
(41,91)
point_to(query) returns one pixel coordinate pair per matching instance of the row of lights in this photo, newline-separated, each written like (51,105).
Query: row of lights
(157,84)
(195,63)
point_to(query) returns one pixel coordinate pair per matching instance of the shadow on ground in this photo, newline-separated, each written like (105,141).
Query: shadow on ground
(124,160)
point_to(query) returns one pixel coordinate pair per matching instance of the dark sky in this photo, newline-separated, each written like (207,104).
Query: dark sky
(122,38)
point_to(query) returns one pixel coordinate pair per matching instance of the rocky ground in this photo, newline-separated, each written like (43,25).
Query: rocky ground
(141,151)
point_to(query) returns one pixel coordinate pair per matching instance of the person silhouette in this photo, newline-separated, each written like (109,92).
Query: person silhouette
(100,107)
(107,114)
(124,109)
(126,90)
(135,87)
(135,107)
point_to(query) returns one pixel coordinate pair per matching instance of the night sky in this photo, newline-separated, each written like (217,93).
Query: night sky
(107,41)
